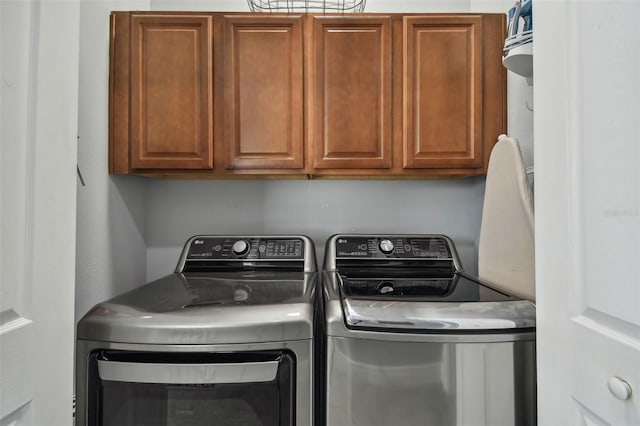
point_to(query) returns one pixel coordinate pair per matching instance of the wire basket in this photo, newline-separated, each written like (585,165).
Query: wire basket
(302,6)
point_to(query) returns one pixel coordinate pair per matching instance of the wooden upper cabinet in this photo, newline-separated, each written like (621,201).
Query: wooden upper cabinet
(263,92)
(171,92)
(350,94)
(199,94)
(443,91)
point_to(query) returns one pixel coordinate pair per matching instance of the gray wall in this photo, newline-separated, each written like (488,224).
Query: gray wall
(131,229)
(112,213)
(315,208)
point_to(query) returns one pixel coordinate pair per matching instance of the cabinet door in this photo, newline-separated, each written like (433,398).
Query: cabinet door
(442,61)
(171,92)
(263,92)
(350,100)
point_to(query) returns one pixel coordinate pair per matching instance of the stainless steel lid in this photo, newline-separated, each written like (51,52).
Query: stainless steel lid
(459,305)
(432,317)
(181,309)
(221,293)
(415,284)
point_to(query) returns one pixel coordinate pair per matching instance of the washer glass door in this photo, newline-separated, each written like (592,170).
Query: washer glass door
(191,389)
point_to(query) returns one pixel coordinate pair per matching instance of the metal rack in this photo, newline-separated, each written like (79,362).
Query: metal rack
(302,6)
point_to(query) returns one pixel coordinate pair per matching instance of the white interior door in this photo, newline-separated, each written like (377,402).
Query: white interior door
(587,153)
(38,127)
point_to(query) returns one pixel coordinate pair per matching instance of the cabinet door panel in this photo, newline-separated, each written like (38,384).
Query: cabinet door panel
(263,92)
(351,99)
(442,92)
(171,92)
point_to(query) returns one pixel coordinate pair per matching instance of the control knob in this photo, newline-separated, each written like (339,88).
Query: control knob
(240,247)
(386,246)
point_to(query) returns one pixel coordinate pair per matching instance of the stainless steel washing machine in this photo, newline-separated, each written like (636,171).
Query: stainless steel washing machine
(412,340)
(227,340)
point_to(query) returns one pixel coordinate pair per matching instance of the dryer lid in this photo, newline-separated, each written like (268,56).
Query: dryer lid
(208,290)
(199,308)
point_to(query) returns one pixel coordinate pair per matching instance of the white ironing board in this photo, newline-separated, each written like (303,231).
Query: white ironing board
(506,246)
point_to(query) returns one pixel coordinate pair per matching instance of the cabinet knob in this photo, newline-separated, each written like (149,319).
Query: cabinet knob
(619,388)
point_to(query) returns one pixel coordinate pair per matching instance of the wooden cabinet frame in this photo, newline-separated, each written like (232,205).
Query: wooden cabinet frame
(302,111)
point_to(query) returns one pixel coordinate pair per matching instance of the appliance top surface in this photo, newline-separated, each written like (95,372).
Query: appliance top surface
(229,271)
(458,304)
(222,292)
(219,290)
(415,283)
(444,288)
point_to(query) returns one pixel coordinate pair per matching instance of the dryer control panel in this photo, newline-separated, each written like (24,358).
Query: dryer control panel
(245,248)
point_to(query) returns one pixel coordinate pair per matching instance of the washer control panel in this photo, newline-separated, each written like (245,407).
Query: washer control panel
(219,248)
(404,247)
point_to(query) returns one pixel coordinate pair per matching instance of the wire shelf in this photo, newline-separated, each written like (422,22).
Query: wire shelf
(302,6)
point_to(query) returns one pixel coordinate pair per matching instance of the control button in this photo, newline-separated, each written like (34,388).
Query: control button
(386,246)
(240,247)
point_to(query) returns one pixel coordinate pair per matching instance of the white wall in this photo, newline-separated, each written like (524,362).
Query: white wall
(519,94)
(408,6)
(131,229)
(112,214)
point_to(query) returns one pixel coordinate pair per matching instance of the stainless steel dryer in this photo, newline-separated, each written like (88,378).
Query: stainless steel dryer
(414,341)
(227,340)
